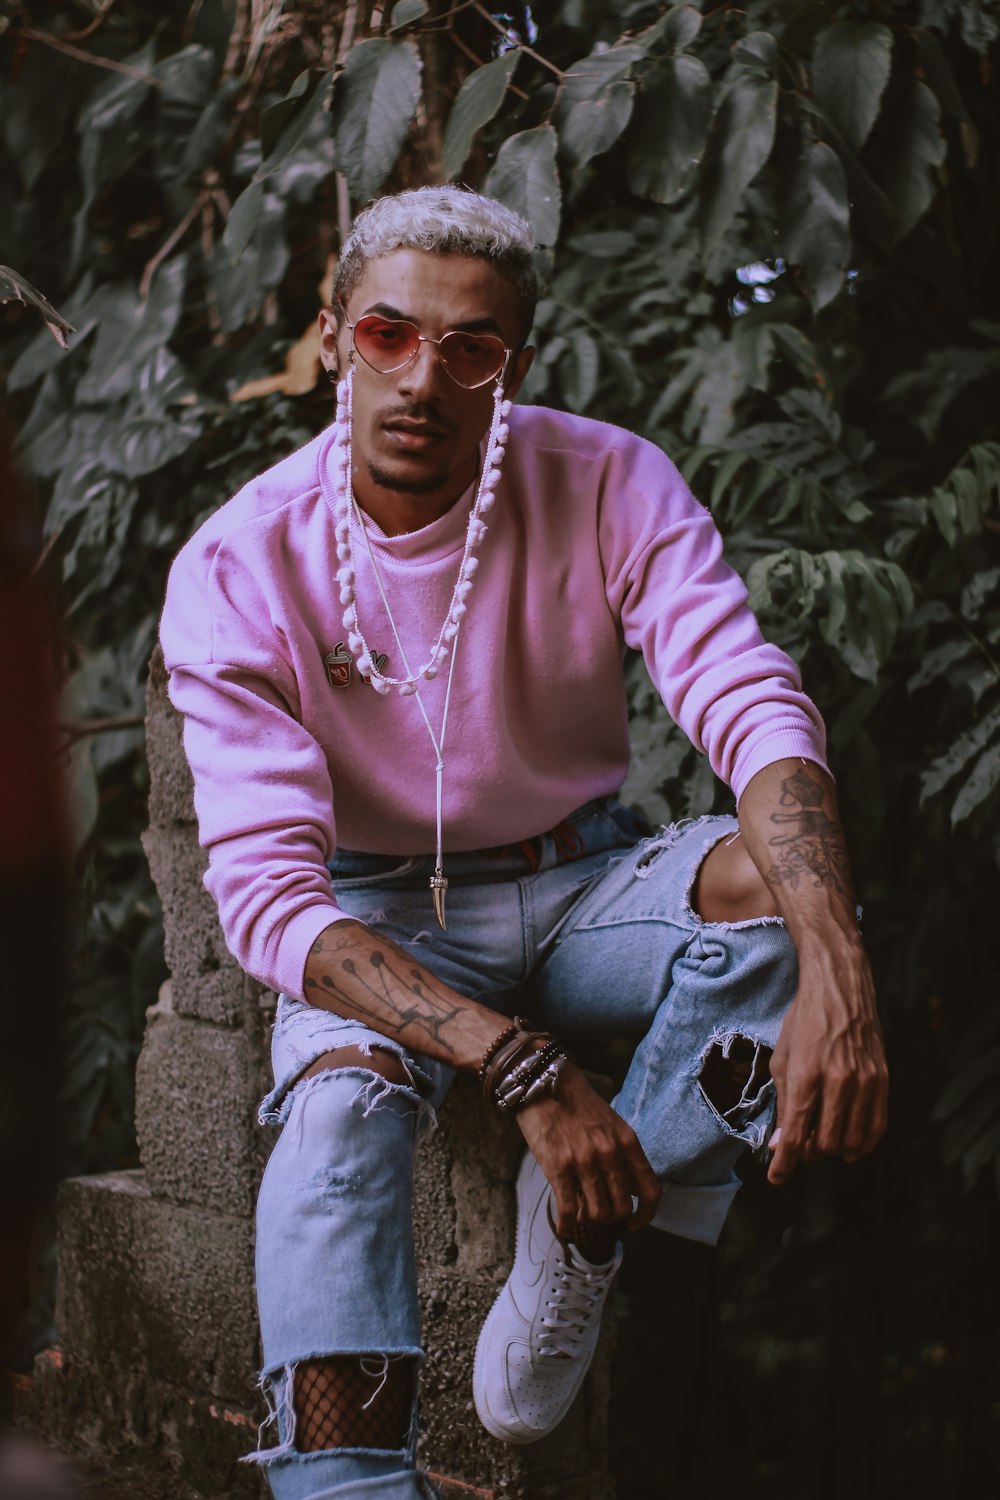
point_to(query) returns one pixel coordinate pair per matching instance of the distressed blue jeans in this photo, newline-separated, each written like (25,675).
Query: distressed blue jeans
(591,931)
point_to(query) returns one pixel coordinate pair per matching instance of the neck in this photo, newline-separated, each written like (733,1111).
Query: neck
(396,511)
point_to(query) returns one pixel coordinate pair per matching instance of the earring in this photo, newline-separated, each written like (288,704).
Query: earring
(331,375)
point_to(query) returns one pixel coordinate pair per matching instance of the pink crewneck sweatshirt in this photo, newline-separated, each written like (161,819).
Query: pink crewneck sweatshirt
(594,543)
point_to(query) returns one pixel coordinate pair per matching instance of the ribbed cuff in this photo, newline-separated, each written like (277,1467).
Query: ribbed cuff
(298,936)
(787,744)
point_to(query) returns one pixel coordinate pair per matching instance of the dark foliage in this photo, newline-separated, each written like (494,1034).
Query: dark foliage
(771,237)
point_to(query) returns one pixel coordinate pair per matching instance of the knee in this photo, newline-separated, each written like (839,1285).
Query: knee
(729,887)
(352,1104)
(379,1060)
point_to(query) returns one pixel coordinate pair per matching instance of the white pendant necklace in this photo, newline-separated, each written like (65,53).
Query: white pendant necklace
(348,518)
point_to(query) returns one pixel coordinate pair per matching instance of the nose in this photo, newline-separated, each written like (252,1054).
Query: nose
(425,374)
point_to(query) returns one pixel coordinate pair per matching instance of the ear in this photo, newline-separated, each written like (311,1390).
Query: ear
(328,338)
(518,370)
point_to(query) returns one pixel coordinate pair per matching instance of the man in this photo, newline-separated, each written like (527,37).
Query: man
(408,637)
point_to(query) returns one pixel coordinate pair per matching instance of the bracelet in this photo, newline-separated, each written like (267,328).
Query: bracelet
(518,1024)
(515,1085)
(520,1066)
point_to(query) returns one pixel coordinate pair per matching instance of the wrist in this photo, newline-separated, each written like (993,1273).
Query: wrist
(521,1066)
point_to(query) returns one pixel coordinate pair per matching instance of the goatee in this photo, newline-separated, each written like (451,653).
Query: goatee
(424,485)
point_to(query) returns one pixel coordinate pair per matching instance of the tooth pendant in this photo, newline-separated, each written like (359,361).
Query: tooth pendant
(439,884)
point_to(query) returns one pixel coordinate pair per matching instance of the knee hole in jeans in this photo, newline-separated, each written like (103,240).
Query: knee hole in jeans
(378,1060)
(728,886)
(354,1401)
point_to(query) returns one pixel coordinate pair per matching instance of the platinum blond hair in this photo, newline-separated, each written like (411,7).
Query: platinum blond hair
(444,221)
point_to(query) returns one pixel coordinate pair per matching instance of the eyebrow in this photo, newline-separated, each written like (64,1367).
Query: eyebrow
(474,325)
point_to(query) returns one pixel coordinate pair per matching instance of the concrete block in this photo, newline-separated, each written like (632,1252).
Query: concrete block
(150,1292)
(207,980)
(463,1198)
(171,1443)
(171,792)
(197,1089)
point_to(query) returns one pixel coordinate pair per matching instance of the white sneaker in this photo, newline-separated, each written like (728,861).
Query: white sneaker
(539,1338)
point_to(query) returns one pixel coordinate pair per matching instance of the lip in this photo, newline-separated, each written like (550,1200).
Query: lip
(411,434)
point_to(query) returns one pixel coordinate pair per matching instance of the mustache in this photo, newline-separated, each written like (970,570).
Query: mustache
(420,411)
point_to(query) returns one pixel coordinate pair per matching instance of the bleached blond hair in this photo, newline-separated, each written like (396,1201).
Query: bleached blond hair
(445,221)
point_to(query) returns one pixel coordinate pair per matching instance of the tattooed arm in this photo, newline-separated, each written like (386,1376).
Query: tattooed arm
(354,971)
(590,1155)
(829,1064)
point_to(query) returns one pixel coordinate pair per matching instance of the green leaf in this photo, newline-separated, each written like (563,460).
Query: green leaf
(742,140)
(588,78)
(938,74)
(478,100)
(851,65)
(802,353)
(758,52)
(240,284)
(278,116)
(374,100)
(187,77)
(679,27)
(131,331)
(209,135)
(140,444)
(525,178)
(119,98)
(983,588)
(590,128)
(84,798)
(912,147)
(815,217)
(958,755)
(667,142)
(244,216)
(985,776)
(15,288)
(406,12)
(579,382)
(595,104)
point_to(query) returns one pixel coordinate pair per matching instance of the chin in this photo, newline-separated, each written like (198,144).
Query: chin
(407,482)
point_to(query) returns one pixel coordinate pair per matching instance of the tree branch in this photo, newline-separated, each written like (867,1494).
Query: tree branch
(31,35)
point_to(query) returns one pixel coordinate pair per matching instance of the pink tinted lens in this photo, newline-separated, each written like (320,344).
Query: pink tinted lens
(472,358)
(385,343)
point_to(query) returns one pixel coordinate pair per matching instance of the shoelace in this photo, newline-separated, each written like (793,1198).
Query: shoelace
(578,1295)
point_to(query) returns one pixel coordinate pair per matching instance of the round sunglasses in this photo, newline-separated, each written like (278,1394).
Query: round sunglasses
(389,344)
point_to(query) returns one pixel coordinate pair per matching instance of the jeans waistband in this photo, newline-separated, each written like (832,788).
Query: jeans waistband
(599,825)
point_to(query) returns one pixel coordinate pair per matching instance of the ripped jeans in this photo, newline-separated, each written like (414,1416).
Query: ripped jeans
(590,931)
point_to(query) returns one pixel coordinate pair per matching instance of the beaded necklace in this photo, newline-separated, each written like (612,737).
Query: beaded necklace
(349,519)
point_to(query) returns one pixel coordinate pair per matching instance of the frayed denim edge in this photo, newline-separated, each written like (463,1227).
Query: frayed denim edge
(276,1107)
(281,1411)
(670,835)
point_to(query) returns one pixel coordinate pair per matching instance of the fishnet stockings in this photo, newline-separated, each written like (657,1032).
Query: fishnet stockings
(353,1401)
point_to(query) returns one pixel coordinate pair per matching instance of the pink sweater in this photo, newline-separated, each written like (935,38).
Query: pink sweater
(595,543)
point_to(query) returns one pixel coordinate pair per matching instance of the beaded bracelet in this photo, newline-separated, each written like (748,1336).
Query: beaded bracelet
(518,1024)
(516,1070)
(513,1090)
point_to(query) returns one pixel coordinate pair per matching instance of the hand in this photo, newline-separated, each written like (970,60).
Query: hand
(829,1065)
(593,1160)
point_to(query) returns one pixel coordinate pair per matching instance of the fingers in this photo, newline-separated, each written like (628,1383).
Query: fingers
(646,1188)
(841,1117)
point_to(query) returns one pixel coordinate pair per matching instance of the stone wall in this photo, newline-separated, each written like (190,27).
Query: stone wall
(158,1337)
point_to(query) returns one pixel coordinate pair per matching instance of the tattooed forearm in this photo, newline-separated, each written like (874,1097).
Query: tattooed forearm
(380,987)
(810,846)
